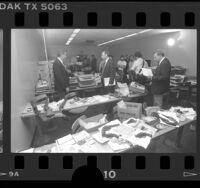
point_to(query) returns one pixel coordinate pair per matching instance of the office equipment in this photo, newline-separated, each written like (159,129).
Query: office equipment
(87,80)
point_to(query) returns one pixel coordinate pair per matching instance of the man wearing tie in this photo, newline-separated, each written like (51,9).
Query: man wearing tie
(61,76)
(161,78)
(107,68)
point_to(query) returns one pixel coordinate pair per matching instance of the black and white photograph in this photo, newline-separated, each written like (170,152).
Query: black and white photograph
(1,90)
(102,90)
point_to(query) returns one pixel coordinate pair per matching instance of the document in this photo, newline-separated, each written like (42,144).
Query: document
(107,80)
(147,72)
(98,137)
(64,139)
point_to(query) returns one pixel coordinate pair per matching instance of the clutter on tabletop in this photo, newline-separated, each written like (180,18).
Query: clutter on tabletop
(137,88)
(122,89)
(150,109)
(132,122)
(93,123)
(99,138)
(127,110)
(118,145)
(184,113)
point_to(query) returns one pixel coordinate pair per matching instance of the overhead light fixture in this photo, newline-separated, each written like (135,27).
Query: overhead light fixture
(72,36)
(76,30)
(171,42)
(127,36)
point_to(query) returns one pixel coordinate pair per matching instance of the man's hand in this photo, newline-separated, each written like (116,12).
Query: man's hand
(67,89)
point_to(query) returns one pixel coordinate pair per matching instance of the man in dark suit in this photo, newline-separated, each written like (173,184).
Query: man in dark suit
(161,78)
(61,76)
(107,68)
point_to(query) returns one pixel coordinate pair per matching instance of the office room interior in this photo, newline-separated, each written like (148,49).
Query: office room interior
(1,91)
(128,101)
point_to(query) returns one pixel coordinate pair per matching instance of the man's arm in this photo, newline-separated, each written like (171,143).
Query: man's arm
(58,75)
(165,69)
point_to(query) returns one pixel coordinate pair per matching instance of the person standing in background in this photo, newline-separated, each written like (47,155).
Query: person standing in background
(61,76)
(139,63)
(161,78)
(93,62)
(107,68)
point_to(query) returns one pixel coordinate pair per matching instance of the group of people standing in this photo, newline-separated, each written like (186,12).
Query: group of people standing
(127,69)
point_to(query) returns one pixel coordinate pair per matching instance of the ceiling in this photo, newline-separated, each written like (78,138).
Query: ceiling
(96,36)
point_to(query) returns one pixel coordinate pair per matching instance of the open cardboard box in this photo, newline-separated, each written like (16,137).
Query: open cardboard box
(93,123)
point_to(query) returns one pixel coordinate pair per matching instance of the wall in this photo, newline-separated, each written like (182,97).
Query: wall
(74,50)
(27,48)
(1,65)
(183,53)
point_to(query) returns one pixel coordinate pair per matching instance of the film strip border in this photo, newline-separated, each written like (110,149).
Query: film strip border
(98,15)
(109,167)
(105,15)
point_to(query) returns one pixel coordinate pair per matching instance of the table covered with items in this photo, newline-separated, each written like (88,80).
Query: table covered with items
(126,132)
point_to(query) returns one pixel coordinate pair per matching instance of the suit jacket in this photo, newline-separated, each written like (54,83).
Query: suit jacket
(108,70)
(61,78)
(161,78)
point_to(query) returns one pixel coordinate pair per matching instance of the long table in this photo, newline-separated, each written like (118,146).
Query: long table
(116,99)
(105,148)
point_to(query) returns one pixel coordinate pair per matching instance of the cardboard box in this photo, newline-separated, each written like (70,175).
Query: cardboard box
(132,110)
(86,123)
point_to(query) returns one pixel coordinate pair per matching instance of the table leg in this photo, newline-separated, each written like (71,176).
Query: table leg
(179,137)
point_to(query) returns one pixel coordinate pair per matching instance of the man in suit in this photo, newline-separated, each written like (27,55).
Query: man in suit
(161,78)
(61,76)
(107,69)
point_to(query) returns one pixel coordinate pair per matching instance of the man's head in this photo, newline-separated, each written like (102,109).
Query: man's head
(122,57)
(104,54)
(138,55)
(62,55)
(158,55)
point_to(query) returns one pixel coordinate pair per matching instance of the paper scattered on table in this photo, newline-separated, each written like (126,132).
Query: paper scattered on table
(147,72)
(189,113)
(98,137)
(117,146)
(143,142)
(80,136)
(75,148)
(64,139)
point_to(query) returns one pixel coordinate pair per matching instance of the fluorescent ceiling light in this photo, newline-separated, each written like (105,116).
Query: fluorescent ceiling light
(76,30)
(146,30)
(72,36)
